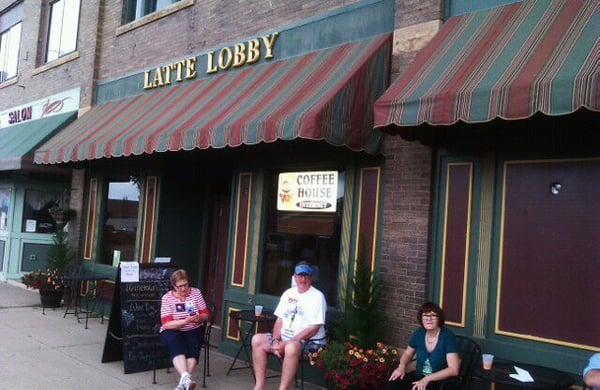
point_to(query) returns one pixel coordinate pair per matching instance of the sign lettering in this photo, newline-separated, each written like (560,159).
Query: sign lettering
(235,56)
(307,191)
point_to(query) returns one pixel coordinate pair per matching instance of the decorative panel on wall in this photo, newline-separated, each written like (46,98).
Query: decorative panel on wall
(34,257)
(242,219)
(148,230)
(90,231)
(233,327)
(366,243)
(455,252)
(550,252)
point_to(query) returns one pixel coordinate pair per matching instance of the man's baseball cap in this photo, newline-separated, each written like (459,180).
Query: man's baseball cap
(303,269)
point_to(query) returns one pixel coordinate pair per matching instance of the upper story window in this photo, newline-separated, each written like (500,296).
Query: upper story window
(10,38)
(62,29)
(136,9)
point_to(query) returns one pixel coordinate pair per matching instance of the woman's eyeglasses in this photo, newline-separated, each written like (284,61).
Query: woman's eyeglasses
(181,286)
(430,316)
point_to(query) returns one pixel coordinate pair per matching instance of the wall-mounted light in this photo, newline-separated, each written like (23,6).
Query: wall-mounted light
(555,188)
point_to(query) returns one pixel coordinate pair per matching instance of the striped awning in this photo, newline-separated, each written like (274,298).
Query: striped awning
(18,142)
(509,62)
(324,95)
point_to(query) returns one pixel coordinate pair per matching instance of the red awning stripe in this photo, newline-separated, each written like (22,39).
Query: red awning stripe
(507,62)
(322,95)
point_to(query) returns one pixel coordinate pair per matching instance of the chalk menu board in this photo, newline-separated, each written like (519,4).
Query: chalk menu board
(132,333)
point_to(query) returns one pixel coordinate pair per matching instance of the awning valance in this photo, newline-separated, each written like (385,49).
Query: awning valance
(508,62)
(18,142)
(324,95)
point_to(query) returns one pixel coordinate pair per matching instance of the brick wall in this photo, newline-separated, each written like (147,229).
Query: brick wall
(30,86)
(209,24)
(404,250)
(405,243)
(77,201)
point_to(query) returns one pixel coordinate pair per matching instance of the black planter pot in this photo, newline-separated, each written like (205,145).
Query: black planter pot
(51,298)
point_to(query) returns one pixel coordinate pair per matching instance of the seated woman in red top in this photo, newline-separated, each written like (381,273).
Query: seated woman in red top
(182,312)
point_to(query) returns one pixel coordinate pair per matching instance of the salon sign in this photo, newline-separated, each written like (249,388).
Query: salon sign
(51,105)
(314,191)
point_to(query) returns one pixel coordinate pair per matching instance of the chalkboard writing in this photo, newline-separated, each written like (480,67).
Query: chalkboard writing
(133,330)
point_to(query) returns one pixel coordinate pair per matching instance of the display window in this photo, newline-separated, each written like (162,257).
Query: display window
(36,214)
(120,220)
(294,236)
(5,197)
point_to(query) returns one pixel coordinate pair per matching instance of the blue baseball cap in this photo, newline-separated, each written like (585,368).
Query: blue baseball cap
(303,269)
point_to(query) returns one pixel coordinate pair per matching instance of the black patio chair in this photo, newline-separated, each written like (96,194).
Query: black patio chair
(206,343)
(470,353)
(313,345)
(72,275)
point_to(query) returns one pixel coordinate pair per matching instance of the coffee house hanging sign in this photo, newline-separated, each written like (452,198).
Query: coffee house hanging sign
(314,191)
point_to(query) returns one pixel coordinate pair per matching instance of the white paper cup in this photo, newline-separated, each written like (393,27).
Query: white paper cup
(487,361)
(258,310)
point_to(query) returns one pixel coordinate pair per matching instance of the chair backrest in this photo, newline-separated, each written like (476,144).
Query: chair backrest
(470,353)
(208,325)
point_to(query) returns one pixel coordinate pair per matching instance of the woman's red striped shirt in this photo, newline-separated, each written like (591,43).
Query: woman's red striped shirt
(173,308)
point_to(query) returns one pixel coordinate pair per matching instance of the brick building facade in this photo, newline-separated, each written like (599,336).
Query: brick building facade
(109,50)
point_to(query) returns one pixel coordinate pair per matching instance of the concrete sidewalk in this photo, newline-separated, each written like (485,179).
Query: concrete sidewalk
(51,352)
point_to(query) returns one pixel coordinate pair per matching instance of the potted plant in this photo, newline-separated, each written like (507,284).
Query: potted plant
(358,359)
(347,366)
(60,211)
(61,215)
(51,283)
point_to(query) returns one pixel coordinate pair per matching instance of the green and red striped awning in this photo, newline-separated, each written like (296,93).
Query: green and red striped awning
(324,95)
(509,62)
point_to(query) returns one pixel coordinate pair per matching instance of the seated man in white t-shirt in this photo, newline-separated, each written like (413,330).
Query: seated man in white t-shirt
(300,317)
(591,374)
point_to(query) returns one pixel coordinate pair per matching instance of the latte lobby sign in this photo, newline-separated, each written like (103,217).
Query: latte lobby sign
(236,56)
(307,191)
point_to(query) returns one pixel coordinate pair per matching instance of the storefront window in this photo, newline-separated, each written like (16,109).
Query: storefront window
(36,217)
(293,236)
(120,221)
(4,208)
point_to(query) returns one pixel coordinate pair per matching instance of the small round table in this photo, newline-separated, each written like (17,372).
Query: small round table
(543,377)
(251,319)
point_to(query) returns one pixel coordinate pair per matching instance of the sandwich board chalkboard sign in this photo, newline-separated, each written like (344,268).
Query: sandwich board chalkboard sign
(133,329)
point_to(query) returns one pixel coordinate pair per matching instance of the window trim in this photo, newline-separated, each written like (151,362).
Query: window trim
(101,212)
(20,22)
(346,225)
(47,37)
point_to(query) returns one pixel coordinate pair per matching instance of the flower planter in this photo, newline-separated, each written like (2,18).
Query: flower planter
(51,298)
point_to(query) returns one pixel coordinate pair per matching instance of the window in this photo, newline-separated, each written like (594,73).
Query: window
(136,9)
(62,31)
(4,208)
(36,215)
(291,237)
(10,37)
(119,228)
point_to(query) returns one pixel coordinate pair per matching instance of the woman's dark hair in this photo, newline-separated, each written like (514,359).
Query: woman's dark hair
(429,307)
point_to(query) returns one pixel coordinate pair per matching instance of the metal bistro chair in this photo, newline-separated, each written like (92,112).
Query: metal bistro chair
(313,345)
(470,353)
(206,343)
(99,296)
(73,272)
